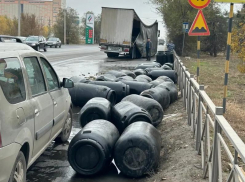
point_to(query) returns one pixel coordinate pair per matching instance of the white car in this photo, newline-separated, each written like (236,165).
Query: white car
(35,109)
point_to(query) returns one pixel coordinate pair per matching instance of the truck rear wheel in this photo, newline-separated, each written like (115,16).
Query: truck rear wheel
(112,55)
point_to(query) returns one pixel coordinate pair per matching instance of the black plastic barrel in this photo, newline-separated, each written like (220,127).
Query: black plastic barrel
(91,150)
(147,70)
(137,152)
(96,108)
(116,73)
(165,57)
(161,95)
(173,91)
(171,65)
(144,77)
(129,73)
(106,77)
(79,79)
(169,73)
(166,67)
(139,72)
(137,87)
(81,93)
(157,82)
(121,89)
(140,79)
(150,105)
(165,79)
(148,65)
(126,113)
(125,78)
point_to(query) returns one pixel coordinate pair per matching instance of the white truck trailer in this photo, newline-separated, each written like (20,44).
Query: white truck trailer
(123,32)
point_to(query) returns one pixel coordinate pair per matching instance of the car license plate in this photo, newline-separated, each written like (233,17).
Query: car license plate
(114,48)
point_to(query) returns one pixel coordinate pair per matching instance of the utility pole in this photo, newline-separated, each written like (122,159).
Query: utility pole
(49,26)
(19,16)
(65,26)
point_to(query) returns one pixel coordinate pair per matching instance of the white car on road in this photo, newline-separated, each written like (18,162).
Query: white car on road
(35,109)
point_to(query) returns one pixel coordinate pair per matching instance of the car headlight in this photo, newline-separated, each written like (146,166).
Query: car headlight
(33,44)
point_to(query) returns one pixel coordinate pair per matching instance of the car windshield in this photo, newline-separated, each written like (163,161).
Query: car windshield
(52,39)
(32,39)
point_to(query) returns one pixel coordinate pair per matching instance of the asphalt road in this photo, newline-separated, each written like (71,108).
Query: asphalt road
(68,61)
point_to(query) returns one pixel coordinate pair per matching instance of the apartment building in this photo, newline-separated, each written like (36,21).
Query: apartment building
(45,10)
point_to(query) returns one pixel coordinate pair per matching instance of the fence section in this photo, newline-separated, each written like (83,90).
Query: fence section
(213,134)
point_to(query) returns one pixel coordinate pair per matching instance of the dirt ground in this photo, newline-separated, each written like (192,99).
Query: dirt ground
(179,159)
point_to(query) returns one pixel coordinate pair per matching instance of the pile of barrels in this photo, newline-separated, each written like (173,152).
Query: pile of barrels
(119,115)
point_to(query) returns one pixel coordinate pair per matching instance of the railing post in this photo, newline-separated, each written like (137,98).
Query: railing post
(184,86)
(217,167)
(181,79)
(190,101)
(199,119)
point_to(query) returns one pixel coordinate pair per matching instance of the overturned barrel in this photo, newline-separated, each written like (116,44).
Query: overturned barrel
(137,152)
(106,77)
(96,108)
(171,65)
(139,72)
(79,79)
(126,113)
(137,87)
(173,91)
(154,74)
(165,79)
(121,89)
(147,70)
(150,105)
(81,93)
(166,67)
(129,73)
(116,73)
(148,65)
(144,77)
(125,78)
(161,95)
(91,150)
(157,82)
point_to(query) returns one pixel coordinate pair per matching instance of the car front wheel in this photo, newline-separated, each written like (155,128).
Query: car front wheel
(18,173)
(66,131)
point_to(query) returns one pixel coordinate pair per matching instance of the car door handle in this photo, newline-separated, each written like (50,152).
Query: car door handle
(55,103)
(36,112)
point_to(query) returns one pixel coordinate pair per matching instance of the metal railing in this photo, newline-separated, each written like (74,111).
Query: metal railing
(211,131)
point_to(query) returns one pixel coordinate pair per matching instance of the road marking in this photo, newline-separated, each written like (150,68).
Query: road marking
(68,60)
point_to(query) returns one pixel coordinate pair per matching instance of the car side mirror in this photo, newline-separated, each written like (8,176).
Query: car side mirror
(67,83)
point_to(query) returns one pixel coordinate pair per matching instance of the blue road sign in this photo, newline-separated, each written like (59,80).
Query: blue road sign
(186,27)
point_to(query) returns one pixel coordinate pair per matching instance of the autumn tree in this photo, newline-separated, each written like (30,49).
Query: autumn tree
(72,26)
(175,12)
(7,26)
(238,39)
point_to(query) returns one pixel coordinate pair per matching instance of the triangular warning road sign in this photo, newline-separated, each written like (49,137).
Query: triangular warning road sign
(199,26)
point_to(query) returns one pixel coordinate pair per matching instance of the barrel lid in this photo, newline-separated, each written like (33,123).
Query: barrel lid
(87,157)
(134,158)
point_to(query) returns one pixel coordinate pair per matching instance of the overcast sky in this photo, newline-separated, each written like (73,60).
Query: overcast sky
(147,12)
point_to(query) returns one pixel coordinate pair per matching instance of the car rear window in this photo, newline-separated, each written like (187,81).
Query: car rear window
(11,80)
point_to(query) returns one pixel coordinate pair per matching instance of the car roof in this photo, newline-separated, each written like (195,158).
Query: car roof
(10,47)
(11,37)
